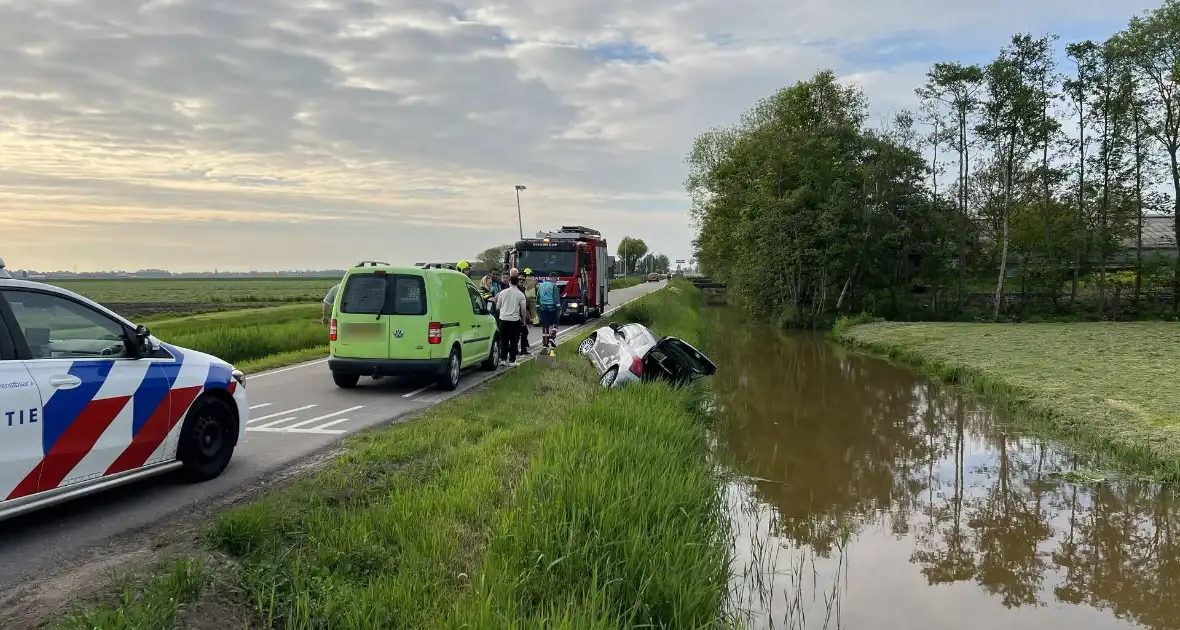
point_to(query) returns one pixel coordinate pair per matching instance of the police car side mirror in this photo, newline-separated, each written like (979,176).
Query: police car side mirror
(144,344)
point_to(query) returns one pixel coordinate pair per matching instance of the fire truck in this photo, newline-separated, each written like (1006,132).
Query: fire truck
(579,256)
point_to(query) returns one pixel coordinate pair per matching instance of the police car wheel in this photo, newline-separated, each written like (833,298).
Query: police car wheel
(345,381)
(449,380)
(207,439)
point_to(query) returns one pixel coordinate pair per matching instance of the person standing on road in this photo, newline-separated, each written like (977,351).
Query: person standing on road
(464,268)
(528,285)
(548,305)
(329,302)
(511,303)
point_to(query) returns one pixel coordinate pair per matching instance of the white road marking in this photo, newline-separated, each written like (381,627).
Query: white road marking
(281,413)
(325,426)
(416,392)
(253,407)
(323,417)
(268,425)
(286,369)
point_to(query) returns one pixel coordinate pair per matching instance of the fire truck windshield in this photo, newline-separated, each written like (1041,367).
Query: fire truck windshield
(543,262)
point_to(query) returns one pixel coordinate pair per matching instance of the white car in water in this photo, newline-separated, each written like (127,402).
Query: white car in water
(631,353)
(90,401)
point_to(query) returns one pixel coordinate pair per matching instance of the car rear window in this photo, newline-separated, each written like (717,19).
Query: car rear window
(364,294)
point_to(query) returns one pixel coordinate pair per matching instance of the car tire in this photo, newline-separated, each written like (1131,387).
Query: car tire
(493,361)
(587,345)
(608,378)
(207,439)
(345,381)
(449,380)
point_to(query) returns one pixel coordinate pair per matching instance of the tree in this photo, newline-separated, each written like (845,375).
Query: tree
(630,251)
(493,256)
(1012,125)
(958,87)
(1152,42)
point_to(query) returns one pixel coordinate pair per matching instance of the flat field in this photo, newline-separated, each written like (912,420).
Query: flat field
(140,297)
(1114,387)
(251,339)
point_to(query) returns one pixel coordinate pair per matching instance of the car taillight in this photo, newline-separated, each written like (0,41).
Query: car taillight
(636,366)
(332,331)
(435,335)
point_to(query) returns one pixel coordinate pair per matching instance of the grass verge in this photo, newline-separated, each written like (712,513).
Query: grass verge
(252,339)
(1108,388)
(541,501)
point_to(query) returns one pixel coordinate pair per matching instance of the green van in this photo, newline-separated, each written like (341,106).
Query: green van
(409,321)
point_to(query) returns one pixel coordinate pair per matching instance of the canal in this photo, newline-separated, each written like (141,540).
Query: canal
(864,495)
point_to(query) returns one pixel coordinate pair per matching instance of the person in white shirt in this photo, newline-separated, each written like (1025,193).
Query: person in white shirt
(512,313)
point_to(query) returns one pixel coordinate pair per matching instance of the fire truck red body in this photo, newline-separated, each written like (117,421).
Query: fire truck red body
(579,256)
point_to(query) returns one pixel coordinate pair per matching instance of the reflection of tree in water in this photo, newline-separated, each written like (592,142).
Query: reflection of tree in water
(840,439)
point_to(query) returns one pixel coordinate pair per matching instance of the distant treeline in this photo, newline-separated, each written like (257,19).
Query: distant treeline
(1017,189)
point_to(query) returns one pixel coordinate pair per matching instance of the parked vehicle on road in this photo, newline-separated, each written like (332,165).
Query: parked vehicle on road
(631,353)
(90,401)
(409,321)
(579,257)
(654,277)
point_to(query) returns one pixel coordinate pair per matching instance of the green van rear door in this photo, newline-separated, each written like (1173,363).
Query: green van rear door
(382,315)
(409,320)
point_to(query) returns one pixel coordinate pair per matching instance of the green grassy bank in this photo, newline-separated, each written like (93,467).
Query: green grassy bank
(1110,388)
(540,501)
(251,339)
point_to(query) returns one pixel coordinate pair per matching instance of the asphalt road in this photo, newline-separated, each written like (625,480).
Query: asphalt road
(295,411)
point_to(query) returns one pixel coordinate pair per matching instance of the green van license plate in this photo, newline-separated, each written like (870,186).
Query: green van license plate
(364,331)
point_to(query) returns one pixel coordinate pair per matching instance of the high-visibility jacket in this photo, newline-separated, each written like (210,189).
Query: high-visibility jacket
(548,294)
(530,288)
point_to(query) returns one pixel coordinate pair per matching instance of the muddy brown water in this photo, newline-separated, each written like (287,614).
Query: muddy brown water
(865,495)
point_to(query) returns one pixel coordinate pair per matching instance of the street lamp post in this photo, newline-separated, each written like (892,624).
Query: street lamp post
(519,220)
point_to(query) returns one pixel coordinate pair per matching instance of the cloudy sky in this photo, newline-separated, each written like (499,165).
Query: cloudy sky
(275,134)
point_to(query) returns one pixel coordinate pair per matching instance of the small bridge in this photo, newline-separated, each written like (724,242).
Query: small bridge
(713,290)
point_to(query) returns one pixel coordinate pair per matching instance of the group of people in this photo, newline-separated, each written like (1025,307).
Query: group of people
(519,301)
(516,302)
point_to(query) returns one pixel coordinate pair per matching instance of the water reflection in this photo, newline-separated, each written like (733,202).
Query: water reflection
(871,497)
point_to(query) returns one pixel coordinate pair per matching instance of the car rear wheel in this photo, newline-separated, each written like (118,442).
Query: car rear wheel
(450,379)
(493,361)
(345,381)
(608,378)
(207,439)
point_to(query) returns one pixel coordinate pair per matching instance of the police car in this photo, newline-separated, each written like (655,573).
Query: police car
(90,401)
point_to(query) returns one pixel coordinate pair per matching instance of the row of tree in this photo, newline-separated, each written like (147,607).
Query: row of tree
(1054,175)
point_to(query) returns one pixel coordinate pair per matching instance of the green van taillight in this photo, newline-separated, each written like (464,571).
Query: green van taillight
(332,331)
(435,335)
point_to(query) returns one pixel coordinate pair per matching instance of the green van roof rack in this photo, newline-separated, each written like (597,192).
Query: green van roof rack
(372,263)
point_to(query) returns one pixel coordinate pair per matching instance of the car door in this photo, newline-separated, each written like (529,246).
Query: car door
(102,407)
(481,328)
(20,421)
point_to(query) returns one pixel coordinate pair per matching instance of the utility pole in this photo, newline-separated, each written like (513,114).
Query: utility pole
(519,220)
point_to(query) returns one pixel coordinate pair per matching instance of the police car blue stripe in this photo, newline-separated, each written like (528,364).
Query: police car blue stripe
(219,377)
(153,392)
(65,405)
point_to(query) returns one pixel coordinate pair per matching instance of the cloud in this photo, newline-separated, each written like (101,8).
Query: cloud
(301,133)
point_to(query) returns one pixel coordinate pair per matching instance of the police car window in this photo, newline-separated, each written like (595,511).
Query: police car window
(55,327)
